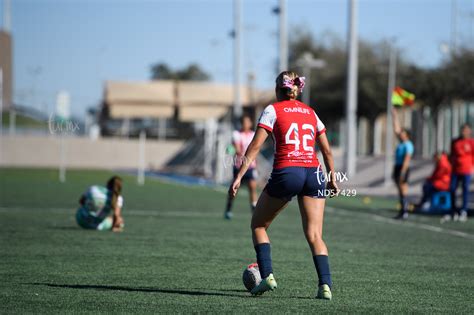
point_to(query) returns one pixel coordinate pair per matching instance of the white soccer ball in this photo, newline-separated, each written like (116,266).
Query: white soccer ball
(251,276)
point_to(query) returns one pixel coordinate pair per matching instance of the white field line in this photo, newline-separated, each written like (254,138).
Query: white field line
(145,213)
(382,219)
(332,210)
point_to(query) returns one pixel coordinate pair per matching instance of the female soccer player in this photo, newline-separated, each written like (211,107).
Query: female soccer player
(401,170)
(241,140)
(438,181)
(462,157)
(101,207)
(295,127)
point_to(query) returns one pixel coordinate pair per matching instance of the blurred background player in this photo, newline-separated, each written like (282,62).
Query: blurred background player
(462,159)
(241,140)
(296,172)
(101,207)
(401,170)
(438,181)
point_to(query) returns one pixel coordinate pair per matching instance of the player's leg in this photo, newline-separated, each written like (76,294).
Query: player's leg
(428,191)
(453,215)
(402,187)
(404,192)
(453,188)
(405,178)
(466,180)
(396,178)
(228,208)
(252,186)
(311,201)
(266,210)
(85,220)
(80,219)
(312,216)
(282,186)
(230,201)
(401,199)
(105,225)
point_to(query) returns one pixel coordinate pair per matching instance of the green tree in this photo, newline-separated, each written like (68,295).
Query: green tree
(193,72)
(161,71)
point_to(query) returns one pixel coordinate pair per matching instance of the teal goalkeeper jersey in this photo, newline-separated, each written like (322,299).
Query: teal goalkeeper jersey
(98,201)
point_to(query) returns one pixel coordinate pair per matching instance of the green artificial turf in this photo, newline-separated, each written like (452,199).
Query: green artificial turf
(177,254)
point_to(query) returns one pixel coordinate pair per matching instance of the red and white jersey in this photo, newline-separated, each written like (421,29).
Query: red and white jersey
(295,127)
(241,140)
(462,155)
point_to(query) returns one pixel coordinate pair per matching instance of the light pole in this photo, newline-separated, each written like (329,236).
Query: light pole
(307,62)
(454,16)
(280,10)
(392,68)
(1,112)
(237,41)
(351,92)
(7,15)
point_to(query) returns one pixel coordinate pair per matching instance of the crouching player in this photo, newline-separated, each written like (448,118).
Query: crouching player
(100,207)
(438,181)
(295,128)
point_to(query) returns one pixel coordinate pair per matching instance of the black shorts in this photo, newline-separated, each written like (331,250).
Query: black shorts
(251,174)
(397,174)
(285,183)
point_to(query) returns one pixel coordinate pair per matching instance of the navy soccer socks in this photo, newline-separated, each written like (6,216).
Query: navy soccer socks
(264,259)
(321,262)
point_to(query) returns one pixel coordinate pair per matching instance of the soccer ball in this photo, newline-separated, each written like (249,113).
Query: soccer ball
(251,276)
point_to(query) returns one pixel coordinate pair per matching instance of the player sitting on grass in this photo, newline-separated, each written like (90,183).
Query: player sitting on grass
(296,172)
(241,140)
(101,207)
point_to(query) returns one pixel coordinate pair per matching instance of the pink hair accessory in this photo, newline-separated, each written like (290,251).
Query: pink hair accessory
(289,83)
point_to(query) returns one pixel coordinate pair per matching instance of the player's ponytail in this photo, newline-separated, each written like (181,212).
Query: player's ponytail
(114,185)
(288,85)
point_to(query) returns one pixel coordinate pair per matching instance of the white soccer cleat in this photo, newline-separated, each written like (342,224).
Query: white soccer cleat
(267,284)
(463,216)
(324,292)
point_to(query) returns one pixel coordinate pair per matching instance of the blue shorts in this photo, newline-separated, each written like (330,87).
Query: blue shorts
(251,174)
(285,183)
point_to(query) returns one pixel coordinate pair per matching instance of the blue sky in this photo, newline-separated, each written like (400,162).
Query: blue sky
(75,45)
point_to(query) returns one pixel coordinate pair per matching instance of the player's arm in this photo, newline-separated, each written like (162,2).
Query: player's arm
(250,155)
(117,217)
(395,122)
(325,149)
(117,212)
(117,220)
(237,149)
